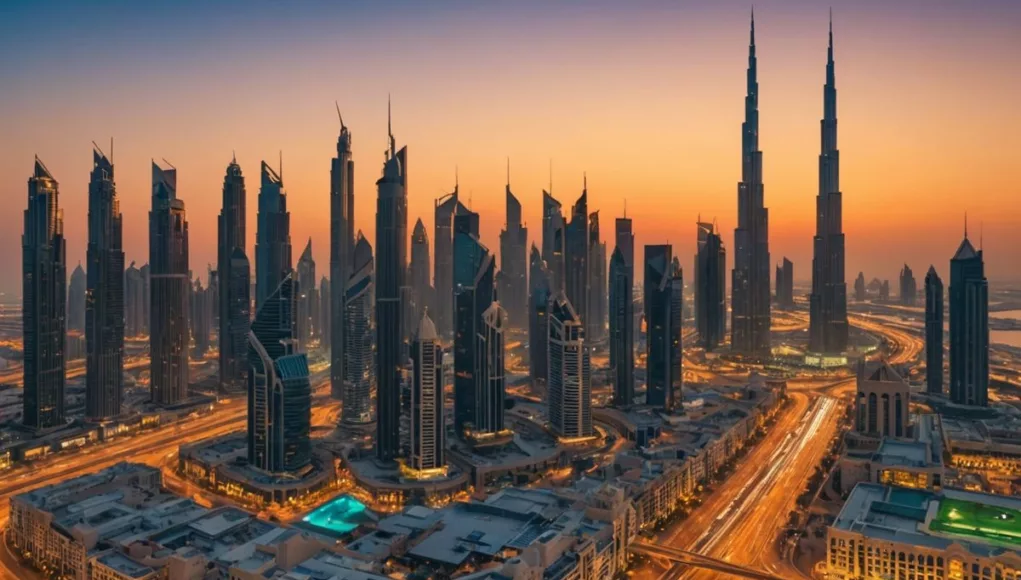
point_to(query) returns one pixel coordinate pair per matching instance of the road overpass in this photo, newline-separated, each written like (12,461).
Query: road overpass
(699,561)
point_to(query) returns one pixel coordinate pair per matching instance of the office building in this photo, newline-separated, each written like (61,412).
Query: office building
(576,260)
(883,400)
(513,248)
(539,294)
(428,440)
(169,288)
(44,291)
(969,327)
(474,271)
(622,315)
(884,291)
(234,290)
(135,298)
(446,208)
(662,302)
(76,299)
(324,320)
(359,380)
(279,391)
(492,381)
(908,286)
(342,240)
(391,270)
(308,298)
(201,312)
(421,286)
(860,290)
(892,532)
(827,331)
(750,303)
(710,287)
(597,288)
(933,333)
(569,389)
(553,230)
(785,284)
(104,311)
(272,236)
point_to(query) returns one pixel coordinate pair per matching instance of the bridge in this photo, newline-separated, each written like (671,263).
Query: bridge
(699,561)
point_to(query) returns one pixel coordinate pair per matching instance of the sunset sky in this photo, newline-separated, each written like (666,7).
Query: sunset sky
(644,96)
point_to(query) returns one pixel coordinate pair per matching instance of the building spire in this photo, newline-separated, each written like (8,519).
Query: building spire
(584,181)
(389,127)
(966,225)
(339,116)
(753,26)
(831,36)
(508,172)
(551,176)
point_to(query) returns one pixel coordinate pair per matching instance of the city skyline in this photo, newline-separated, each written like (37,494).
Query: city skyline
(789,109)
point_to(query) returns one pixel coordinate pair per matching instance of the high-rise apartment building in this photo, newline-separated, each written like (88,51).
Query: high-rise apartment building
(428,431)
(570,376)
(622,317)
(359,379)
(234,290)
(969,327)
(342,240)
(272,236)
(933,333)
(710,286)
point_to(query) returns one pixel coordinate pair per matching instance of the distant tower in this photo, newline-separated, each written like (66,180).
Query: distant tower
(421,287)
(513,248)
(169,290)
(710,286)
(307,296)
(828,302)
(539,295)
(884,291)
(428,431)
(860,291)
(662,299)
(474,271)
(325,314)
(908,286)
(750,302)
(492,382)
(621,311)
(279,391)
(273,236)
(576,260)
(44,288)
(391,270)
(359,334)
(135,298)
(201,311)
(969,327)
(342,240)
(933,333)
(104,309)
(76,299)
(570,381)
(234,290)
(446,208)
(597,287)
(553,231)
(785,284)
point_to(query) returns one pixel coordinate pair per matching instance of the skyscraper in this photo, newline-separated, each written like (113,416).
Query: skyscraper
(597,287)
(307,297)
(279,391)
(576,260)
(570,381)
(234,290)
(622,317)
(749,326)
(391,269)
(325,313)
(710,286)
(828,302)
(676,348)
(76,299)
(428,432)
(860,290)
(359,367)
(513,247)
(969,327)
(539,294)
(553,230)
(443,273)
(421,288)
(884,291)
(786,300)
(491,371)
(104,308)
(44,291)
(342,241)
(201,311)
(933,333)
(146,296)
(662,299)
(474,271)
(908,286)
(169,287)
(135,298)
(272,236)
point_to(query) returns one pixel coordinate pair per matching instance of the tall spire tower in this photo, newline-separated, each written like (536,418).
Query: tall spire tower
(750,277)
(828,301)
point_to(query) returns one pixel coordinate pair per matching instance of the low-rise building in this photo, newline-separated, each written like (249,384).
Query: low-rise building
(893,532)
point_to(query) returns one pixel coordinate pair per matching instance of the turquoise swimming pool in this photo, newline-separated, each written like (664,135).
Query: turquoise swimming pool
(339,516)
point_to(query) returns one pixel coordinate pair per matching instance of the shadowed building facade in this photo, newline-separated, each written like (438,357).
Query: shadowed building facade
(662,300)
(44,291)
(234,290)
(342,239)
(622,316)
(933,333)
(576,259)
(539,295)
(76,289)
(104,304)
(553,230)
(513,248)
(273,235)
(445,209)
(969,327)
(710,287)
(169,287)
(421,288)
(750,301)
(827,330)
(569,389)
(359,335)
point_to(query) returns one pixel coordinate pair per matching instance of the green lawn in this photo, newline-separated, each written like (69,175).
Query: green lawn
(967,518)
